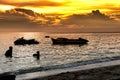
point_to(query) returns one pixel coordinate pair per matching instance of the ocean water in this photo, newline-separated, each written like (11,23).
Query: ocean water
(101,47)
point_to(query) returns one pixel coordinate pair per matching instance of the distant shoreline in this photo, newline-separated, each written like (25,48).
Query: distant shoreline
(52,32)
(76,32)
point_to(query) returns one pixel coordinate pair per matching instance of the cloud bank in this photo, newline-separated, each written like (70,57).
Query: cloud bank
(92,22)
(19,19)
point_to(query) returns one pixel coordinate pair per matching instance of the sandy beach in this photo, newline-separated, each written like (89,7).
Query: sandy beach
(105,73)
(99,71)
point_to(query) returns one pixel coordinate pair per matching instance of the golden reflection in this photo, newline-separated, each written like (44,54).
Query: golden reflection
(28,35)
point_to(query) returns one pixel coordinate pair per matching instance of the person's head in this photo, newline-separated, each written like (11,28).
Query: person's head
(10,47)
(38,52)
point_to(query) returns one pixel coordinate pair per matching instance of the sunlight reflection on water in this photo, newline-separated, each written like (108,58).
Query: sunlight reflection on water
(100,45)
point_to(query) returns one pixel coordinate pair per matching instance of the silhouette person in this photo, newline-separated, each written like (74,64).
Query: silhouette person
(37,55)
(8,53)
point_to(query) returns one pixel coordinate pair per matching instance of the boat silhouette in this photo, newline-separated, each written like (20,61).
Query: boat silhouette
(65,41)
(22,41)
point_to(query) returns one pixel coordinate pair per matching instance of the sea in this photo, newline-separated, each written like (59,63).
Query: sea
(100,48)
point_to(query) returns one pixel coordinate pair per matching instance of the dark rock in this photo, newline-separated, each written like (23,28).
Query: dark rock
(7,76)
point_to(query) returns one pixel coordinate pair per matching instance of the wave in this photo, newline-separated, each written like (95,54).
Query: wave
(73,64)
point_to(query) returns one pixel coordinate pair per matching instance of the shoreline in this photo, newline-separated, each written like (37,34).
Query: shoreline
(64,66)
(103,73)
(110,68)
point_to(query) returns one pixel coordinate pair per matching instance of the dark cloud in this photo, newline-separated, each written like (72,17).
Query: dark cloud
(31,3)
(38,17)
(12,19)
(118,16)
(96,18)
(98,15)
(20,14)
(26,11)
(24,20)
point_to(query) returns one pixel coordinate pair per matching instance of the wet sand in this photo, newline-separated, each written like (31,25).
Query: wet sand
(103,73)
(99,71)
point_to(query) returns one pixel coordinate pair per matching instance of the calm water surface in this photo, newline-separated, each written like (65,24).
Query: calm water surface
(100,45)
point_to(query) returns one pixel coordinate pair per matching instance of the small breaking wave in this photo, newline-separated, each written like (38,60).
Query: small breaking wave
(73,64)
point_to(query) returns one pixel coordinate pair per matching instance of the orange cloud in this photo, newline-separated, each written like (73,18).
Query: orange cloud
(28,20)
(34,3)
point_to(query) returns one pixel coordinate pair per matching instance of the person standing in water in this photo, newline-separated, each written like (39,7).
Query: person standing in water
(8,53)
(37,55)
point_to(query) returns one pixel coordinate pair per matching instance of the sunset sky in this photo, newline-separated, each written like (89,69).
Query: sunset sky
(60,15)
